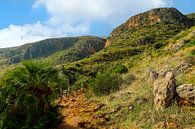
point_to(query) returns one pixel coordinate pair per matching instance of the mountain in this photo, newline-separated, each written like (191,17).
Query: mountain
(75,47)
(152,52)
(161,18)
(85,47)
(144,34)
(141,52)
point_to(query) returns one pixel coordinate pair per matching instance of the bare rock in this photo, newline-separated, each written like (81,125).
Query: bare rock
(164,90)
(130,107)
(186,92)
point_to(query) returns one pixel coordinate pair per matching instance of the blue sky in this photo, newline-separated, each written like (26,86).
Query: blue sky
(24,21)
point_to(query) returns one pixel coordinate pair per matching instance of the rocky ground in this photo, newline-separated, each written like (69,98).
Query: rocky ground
(80,112)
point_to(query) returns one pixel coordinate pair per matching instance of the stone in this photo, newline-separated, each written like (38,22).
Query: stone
(130,107)
(164,89)
(186,92)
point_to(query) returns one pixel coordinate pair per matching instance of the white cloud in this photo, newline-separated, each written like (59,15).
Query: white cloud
(113,11)
(18,35)
(74,17)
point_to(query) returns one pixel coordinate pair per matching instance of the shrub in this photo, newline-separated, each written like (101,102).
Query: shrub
(191,43)
(26,94)
(105,83)
(119,69)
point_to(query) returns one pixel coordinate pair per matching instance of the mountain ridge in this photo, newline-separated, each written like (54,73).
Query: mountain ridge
(129,44)
(45,48)
(166,16)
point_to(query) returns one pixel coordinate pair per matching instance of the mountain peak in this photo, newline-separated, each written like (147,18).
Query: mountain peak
(158,15)
(158,19)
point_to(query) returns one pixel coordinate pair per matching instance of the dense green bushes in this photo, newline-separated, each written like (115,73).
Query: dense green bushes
(26,94)
(105,83)
(119,69)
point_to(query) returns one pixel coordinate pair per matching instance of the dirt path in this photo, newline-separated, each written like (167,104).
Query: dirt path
(80,112)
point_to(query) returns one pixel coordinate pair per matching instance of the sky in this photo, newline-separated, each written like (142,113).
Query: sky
(25,21)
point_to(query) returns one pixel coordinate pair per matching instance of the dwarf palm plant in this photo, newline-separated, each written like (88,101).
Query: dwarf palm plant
(26,95)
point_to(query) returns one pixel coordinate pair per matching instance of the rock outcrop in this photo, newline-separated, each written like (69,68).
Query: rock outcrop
(167,15)
(160,16)
(186,92)
(164,90)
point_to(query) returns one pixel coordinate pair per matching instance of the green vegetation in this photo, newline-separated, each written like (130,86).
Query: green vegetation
(127,49)
(105,84)
(118,75)
(141,50)
(119,69)
(60,50)
(26,96)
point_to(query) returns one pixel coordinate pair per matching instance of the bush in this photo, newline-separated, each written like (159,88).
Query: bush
(119,69)
(105,84)
(26,94)
(191,43)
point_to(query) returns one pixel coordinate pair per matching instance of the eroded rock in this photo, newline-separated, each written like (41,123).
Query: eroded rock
(186,92)
(164,90)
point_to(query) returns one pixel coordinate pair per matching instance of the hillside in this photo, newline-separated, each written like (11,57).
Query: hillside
(85,47)
(168,21)
(146,50)
(47,47)
(141,77)
(129,44)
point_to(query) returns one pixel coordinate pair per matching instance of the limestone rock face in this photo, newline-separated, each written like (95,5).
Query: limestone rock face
(164,90)
(187,92)
(171,15)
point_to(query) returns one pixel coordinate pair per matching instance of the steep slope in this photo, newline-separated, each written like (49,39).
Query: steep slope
(85,47)
(48,47)
(130,43)
(161,19)
(143,50)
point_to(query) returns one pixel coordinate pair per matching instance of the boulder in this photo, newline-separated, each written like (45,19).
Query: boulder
(164,90)
(186,92)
